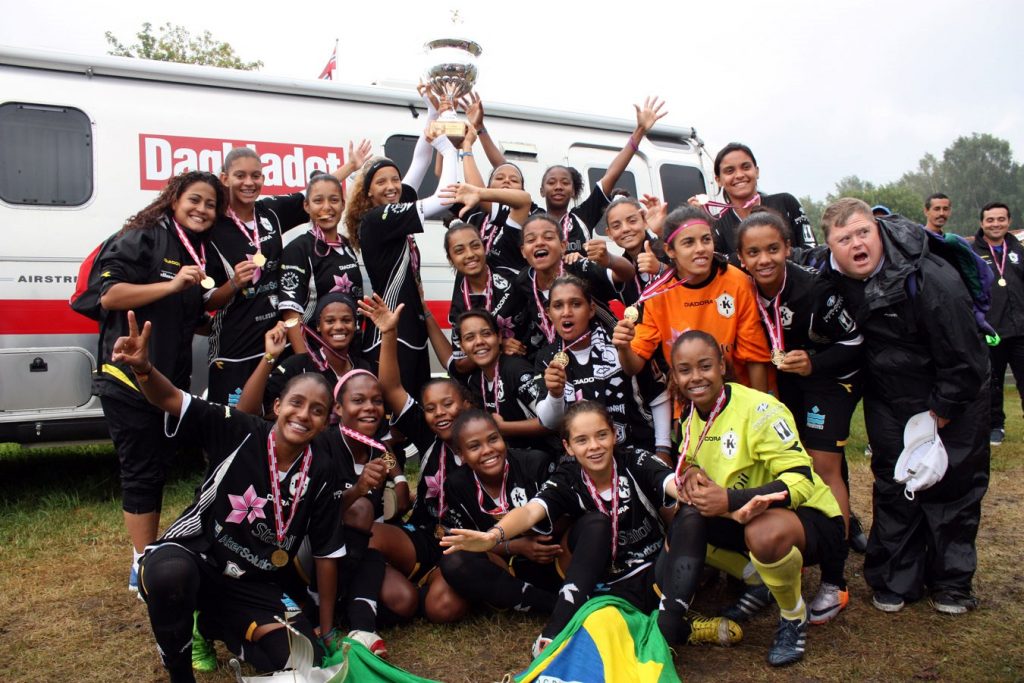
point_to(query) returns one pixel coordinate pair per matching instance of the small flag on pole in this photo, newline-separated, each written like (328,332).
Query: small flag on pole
(328,73)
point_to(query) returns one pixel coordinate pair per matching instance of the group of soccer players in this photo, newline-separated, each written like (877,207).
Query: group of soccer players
(618,415)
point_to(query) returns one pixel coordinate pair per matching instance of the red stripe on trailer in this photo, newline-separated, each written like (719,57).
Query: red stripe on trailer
(54,316)
(47,316)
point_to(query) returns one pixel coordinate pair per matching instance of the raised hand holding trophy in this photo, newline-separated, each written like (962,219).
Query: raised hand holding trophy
(451,75)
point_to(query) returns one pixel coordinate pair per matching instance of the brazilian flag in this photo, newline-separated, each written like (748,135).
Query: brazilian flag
(608,640)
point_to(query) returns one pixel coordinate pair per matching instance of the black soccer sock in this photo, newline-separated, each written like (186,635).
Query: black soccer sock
(476,578)
(679,572)
(170,586)
(590,542)
(363,594)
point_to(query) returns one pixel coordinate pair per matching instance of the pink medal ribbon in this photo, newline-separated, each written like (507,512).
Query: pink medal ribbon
(684,451)
(441,467)
(502,501)
(275,487)
(546,326)
(655,288)
(488,232)
(362,438)
(483,385)
(566,225)
(320,237)
(773,322)
(253,239)
(200,258)
(723,207)
(321,363)
(488,292)
(596,497)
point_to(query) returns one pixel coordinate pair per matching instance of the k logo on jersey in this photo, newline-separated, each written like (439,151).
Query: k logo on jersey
(730,444)
(787,316)
(726,305)
(518,497)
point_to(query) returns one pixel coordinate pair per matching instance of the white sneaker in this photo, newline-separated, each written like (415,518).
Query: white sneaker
(828,603)
(373,642)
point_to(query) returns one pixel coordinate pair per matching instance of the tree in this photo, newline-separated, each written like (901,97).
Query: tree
(175,44)
(898,197)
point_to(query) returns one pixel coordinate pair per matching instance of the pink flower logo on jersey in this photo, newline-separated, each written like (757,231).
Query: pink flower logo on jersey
(505,327)
(342,284)
(434,486)
(246,506)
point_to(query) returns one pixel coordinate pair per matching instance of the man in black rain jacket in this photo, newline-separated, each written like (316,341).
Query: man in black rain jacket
(923,351)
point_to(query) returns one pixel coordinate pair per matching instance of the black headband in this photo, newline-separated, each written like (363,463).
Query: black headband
(332,298)
(376,166)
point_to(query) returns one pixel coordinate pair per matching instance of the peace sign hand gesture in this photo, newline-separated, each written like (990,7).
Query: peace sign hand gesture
(133,350)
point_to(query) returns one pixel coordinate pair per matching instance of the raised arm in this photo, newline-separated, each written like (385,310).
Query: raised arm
(133,351)
(357,156)
(645,119)
(388,373)
(472,195)
(475,114)
(251,400)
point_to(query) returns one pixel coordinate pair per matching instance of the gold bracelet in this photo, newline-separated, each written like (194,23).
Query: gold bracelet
(269,359)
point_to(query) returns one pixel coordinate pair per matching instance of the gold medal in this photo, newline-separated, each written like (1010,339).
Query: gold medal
(279,558)
(439,532)
(778,357)
(632,314)
(207,282)
(1001,282)
(291,322)
(561,359)
(259,259)
(702,199)
(389,460)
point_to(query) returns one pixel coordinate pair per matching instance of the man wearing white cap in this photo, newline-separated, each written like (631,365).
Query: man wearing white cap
(923,354)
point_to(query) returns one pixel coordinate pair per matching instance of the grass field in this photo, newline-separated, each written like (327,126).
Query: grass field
(69,617)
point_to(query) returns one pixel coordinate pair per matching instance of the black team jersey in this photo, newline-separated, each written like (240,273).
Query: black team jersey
(594,373)
(527,472)
(579,223)
(413,425)
(502,236)
(230,524)
(144,256)
(514,398)
(504,305)
(391,262)
(299,364)
(724,228)
(310,269)
(238,328)
(642,481)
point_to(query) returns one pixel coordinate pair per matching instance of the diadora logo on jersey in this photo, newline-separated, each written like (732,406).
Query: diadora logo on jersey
(172,262)
(273,301)
(782,429)
(726,305)
(289,280)
(846,321)
(762,407)
(831,301)
(518,497)
(787,315)
(730,444)
(816,418)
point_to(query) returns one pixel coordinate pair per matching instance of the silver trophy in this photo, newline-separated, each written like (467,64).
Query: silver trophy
(451,75)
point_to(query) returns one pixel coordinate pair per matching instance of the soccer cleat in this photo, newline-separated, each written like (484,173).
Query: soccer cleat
(373,642)
(753,600)
(204,657)
(887,601)
(828,603)
(133,579)
(996,436)
(857,540)
(790,642)
(954,602)
(539,645)
(714,631)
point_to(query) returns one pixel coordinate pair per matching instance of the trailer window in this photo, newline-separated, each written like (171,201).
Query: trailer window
(45,155)
(679,183)
(399,149)
(627,182)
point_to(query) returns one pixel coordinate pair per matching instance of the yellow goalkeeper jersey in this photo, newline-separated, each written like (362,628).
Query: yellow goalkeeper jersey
(754,442)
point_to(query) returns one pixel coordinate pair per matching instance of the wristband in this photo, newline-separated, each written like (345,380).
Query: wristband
(463,155)
(400,479)
(501,535)
(143,376)
(234,286)
(269,359)
(508,548)
(481,131)
(636,147)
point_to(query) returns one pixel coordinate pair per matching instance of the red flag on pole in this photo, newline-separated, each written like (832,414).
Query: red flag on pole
(328,73)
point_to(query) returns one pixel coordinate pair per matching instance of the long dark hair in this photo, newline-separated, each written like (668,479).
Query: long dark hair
(176,187)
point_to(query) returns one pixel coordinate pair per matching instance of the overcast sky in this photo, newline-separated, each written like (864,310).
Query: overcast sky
(820,89)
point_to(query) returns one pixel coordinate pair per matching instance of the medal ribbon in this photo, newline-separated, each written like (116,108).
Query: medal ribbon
(723,207)
(568,347)
(685,449)
(488,292)
(488,232)
(254,238)
(566,226)
(320,237)
(321,363)
(275,486)
(596,497)
(546,326)
(200,258)
(775,331)
(502,501)
(483,385)
(441,467)
(655,287)
(362,438)
(1002,265)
